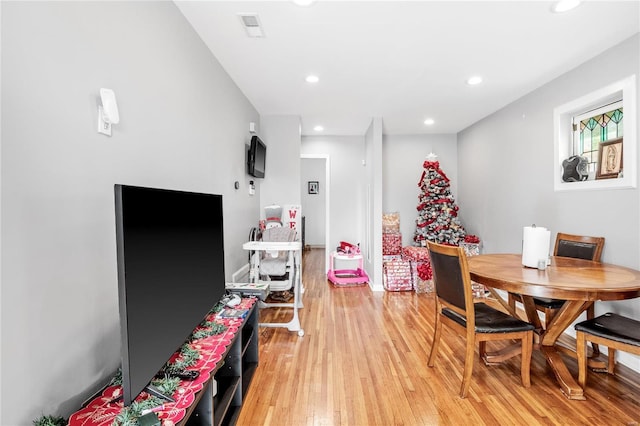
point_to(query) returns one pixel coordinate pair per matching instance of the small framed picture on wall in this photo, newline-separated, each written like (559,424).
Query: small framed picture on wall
(313,186)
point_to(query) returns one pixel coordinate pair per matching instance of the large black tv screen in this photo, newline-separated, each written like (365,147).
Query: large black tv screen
(170,253)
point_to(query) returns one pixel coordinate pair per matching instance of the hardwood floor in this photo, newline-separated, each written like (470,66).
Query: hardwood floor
(363,361)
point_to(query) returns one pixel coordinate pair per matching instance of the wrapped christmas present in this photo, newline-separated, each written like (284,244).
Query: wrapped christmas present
(391,222)
(391,243)
(423,286)
(424,272)
(471,249)
(471,245)
(398,275)
(420,256)
(389,257)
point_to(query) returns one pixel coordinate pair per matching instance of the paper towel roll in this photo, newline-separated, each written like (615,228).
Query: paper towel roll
(535,245)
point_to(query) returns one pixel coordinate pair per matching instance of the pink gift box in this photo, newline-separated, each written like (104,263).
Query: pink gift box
(399,275)
(391,243)
(419,254)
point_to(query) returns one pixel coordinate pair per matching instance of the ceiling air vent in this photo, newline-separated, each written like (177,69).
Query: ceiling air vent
(251,24)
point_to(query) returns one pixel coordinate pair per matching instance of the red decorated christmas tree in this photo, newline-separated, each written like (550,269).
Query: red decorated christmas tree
(437,210)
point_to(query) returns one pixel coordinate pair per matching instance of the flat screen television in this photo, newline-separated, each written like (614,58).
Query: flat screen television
(257,158)
(170,254)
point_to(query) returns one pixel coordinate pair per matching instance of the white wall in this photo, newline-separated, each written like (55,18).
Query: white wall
(281,134)
(505,169)
(184,125)
(402,165)
(313,205)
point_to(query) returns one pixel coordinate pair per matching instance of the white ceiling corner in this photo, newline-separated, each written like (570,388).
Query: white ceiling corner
(402,61)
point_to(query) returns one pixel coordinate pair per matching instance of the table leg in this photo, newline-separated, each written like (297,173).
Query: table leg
(548,339)
(568,385)
(502,302)
(567,314)
(593,361)
(532,312)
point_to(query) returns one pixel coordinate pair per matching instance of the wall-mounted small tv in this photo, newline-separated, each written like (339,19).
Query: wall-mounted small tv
(170,254)
(257,157)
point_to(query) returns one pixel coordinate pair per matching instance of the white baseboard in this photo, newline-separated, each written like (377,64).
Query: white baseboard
(242,272)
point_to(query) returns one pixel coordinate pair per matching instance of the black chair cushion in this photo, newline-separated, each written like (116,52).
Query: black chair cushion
(548,303)
(489,320)
(613,327)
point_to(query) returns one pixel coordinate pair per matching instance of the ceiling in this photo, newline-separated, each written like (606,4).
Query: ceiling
(403,61)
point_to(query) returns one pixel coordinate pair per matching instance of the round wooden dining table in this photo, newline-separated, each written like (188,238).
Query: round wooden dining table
(578,282)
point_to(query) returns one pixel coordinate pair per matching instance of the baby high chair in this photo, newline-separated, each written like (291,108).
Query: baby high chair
(275,259)
(277,266)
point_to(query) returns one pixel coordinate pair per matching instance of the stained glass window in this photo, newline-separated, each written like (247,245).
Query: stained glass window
(597,126)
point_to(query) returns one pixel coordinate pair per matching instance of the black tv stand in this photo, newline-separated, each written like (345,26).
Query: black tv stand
(220,401)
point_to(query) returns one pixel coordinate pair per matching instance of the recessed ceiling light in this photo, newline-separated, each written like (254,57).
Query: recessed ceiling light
(474,80)
(304,2)
(318,128)
(564,5)
(312,79)
(429,121)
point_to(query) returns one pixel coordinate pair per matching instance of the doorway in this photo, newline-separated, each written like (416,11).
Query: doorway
(315,200)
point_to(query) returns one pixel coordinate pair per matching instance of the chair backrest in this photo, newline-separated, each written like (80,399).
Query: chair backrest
(579,247)
(451,279)
(279,234)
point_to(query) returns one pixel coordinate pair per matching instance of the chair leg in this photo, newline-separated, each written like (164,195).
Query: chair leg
(468,366)
(581,351)
(525,367)
(611,354)
(482,349)
(436,341)
(591,315)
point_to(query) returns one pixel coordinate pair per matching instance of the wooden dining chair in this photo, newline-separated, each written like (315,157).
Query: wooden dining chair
(476,321)
(577,247)
(614,331)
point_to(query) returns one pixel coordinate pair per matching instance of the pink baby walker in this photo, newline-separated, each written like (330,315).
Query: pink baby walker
(347,252)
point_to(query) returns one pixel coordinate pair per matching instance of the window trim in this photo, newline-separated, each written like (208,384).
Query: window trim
(563,135)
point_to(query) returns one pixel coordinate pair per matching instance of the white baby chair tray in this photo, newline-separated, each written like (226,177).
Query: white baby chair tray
(293,249)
